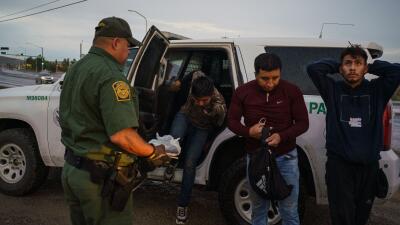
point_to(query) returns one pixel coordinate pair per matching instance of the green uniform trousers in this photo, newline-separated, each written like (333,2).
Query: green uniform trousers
(87,207)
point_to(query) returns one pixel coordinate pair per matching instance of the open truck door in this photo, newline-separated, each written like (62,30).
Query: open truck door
(146,74)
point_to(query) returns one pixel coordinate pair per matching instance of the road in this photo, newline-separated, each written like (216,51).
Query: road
(154,204)
(12,78)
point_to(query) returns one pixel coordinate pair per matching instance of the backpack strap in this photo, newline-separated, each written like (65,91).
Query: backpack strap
(264,136)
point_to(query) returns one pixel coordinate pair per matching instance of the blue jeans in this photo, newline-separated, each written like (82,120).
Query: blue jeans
(195,138)
(288,166)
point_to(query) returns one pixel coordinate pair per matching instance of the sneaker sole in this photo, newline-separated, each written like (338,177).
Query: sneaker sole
(179,222)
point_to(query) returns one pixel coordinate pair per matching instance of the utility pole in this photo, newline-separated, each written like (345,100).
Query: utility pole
(129,10)
(80,49)
(36,57)
(56,65)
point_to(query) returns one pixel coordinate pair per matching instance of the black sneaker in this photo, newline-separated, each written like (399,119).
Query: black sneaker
(181,215)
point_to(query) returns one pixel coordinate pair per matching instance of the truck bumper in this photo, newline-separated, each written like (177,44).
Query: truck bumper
(390,163)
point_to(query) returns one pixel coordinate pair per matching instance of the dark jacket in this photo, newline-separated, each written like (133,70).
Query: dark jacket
(283,108)
(354,115)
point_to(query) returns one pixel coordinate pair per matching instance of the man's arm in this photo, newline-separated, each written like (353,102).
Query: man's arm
(299,115)
(235,114)
(318,72)
(129,140)
(389,76)
(119,116)
(218,108)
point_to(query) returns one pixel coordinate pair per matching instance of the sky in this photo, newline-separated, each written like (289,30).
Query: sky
(60,32)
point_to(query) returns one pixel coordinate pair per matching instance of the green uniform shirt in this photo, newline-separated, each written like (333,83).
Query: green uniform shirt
(96,102)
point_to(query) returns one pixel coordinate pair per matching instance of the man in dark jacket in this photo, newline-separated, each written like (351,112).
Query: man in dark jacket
(281,106)
(354,134)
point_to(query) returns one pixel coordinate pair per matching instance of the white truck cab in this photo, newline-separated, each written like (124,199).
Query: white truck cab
(30,133)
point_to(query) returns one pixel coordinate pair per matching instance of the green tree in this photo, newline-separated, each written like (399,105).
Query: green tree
(40,60)
(30,64)
(50,66)
(65,64)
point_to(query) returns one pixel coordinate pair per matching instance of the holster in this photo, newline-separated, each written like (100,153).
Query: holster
(98,170)
(117,182)
(120,185)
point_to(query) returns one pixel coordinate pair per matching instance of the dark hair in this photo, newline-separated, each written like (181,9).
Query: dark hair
(267,62)
(354,51)
(202,86)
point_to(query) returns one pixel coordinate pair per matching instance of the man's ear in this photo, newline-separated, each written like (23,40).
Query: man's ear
(114,43)
(340,69)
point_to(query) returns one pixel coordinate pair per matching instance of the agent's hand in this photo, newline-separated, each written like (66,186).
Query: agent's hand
(255,131)
(175,86)
(274,140)
(159,157)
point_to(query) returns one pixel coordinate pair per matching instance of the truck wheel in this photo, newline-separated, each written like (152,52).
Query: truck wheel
(234,198)
(22,170)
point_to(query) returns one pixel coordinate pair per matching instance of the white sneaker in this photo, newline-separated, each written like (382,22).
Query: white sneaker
(181,215)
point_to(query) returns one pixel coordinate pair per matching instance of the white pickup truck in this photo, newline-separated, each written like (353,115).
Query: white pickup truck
(30,133)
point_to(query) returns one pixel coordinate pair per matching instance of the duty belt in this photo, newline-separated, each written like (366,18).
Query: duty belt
(82,162)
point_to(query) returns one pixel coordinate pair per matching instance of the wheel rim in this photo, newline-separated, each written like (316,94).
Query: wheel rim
(243,204)
(12,163)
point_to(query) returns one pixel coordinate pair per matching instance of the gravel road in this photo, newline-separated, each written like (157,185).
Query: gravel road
(154,204)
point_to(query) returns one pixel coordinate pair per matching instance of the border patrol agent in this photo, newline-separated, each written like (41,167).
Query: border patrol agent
(99,116)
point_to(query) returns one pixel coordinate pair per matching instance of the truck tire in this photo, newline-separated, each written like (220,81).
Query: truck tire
(234,199)
(22,170)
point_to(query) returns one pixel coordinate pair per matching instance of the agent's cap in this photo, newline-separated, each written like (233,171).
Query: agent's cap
(115,27)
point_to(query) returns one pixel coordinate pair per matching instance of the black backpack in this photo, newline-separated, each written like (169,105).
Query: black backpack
(264,175)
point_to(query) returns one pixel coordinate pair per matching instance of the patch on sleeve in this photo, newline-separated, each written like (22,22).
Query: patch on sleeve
(122,91)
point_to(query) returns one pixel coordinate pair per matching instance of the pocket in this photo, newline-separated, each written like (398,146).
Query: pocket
(355,110)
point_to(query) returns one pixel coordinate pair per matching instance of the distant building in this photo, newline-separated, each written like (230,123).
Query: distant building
(10,62)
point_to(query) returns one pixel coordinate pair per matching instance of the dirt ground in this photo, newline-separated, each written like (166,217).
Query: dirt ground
(154,204)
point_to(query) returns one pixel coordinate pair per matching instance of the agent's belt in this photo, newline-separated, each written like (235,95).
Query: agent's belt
(82,162)
(98,170)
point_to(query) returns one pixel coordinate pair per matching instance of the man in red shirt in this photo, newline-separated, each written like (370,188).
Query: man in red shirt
(281,105)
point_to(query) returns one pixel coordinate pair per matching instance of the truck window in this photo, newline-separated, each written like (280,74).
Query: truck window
(129,61)
(295,61)
(149,63)
(213,62)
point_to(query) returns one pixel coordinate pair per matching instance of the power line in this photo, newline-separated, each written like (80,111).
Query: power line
(25,10)
(47,10)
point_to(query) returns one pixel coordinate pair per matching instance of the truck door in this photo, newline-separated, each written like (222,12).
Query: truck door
(146,74)
(56,148)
